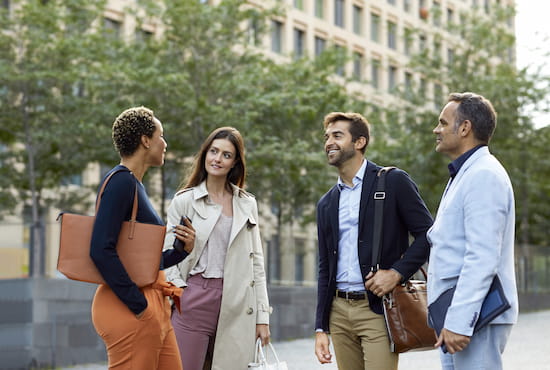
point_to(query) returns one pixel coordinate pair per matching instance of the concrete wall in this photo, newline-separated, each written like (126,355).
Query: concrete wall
(46,323)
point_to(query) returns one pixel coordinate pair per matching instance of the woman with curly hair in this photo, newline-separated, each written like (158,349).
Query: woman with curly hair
(225,301)
(133,322)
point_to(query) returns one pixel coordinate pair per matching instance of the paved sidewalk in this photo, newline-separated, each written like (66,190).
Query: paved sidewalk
(527,349)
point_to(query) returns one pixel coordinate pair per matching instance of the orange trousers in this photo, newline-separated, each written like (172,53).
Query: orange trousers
(147,343)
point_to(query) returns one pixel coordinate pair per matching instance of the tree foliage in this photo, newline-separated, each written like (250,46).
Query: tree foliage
(480,59)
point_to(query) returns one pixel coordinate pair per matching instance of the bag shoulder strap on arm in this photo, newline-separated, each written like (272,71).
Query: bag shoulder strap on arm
(379,196)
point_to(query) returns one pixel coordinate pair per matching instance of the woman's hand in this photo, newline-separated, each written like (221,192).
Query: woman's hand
(262,332)
(186,233)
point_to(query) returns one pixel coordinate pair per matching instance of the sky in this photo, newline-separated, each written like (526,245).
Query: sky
(532,33)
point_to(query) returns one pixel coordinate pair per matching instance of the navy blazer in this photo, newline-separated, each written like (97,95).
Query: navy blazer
(404,213)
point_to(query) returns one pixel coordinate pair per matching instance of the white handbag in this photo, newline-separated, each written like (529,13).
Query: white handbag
(260,359)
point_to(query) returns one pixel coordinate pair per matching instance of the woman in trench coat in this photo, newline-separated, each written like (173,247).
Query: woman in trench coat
(225,303)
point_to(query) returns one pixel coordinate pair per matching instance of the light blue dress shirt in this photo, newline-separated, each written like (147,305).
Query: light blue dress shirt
(348,275)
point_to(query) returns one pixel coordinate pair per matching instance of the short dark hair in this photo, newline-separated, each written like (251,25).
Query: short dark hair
(358,125)
(128,128)
(479,111)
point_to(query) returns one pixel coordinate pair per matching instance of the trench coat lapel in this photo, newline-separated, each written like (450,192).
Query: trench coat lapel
(242,214)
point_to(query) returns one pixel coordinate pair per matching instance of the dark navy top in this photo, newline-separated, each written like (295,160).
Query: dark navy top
(115,208)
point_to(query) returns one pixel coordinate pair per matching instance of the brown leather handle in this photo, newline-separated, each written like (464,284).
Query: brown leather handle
(134,206)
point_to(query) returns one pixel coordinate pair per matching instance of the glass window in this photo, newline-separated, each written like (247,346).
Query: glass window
(408,41)
(375,27)
(357,66)
(112,28)
(276,36)
(408,84)
(299,43)
(438,96)
(407,5)
(320,45)
(143,35)
(6,4)
(392,2)
(422,42)
(341,52)
(299,4)
(436,13)
(375,73)
(253,32)
(339,13)
(450,16)
(450,56)
(320,8)
(357,20)
(392,35)
(423,88)
(392,78)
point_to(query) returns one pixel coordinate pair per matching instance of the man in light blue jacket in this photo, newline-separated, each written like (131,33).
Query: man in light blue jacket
(472,238)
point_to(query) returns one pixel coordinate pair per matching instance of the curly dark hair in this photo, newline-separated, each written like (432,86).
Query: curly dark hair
(128,128)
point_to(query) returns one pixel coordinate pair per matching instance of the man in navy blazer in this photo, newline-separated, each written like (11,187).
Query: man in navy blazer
(472,239)
(349,295)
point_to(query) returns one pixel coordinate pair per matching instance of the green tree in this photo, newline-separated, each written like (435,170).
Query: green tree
(54,76)
(480,58)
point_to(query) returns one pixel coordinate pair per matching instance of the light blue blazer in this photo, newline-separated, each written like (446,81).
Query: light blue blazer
(472,239)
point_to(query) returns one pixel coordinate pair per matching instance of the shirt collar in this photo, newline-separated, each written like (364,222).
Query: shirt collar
(358,178)
(455,165)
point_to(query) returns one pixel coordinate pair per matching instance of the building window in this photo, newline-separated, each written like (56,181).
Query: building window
(320,45)
(407,5)
(253,32)
(423,88)
(299,4)
(339,13)
(320,9)
(392,2)
(143,35)
(392,35)
(6,4)
(450,56)
(408,41)
(487,6)
(276,36)
(422,10)
(392,78)
(408,85)
(341,52)
(422,42)
(357,66)
(450,17)
(436,13)
(375,27)
(357,20)
(438,96)
(112,28)
(299,255)
(299,43)
(375,73)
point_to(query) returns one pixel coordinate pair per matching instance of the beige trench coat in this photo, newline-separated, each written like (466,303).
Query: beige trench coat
(244,297)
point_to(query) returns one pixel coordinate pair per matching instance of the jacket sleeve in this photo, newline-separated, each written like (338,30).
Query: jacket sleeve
(116,204)
(175,211)
(323,275)
(263,309)
(414,213)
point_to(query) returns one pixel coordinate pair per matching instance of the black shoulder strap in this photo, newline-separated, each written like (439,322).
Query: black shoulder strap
(379,196)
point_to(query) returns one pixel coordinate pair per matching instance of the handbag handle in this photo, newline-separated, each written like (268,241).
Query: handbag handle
(260,353)
(379,196)
(134,206)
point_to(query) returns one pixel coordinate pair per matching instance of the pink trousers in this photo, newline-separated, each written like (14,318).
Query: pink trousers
(195,326)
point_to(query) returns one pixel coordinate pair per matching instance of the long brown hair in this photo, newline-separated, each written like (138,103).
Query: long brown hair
(236,175)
